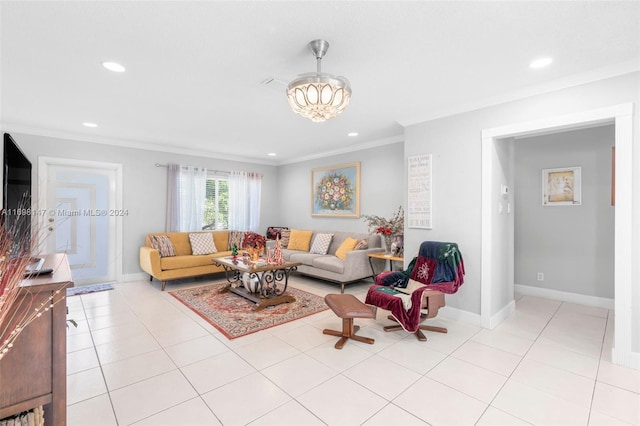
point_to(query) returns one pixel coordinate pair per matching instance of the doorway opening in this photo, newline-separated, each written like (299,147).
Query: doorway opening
(497,281)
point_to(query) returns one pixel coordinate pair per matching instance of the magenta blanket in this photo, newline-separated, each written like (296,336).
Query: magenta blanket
(438,265)
(410,320)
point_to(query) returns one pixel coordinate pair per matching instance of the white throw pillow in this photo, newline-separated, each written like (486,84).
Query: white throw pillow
(321,244)
(202,243)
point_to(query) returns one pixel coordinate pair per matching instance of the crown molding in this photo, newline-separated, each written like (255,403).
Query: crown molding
(147,146)
(150,146)
(359,147)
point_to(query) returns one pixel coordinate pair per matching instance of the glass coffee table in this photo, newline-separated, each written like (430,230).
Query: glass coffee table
(268,282)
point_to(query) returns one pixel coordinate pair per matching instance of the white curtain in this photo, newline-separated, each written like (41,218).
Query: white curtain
(244,201)
(186,193)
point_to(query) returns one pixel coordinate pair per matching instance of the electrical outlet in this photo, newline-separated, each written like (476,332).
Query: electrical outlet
(540,276)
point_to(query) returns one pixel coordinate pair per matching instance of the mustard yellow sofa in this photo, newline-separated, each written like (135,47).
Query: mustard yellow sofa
(184,264)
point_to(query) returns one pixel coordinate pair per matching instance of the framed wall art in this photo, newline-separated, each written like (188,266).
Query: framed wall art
(562,186)
(419,207)
(335,191)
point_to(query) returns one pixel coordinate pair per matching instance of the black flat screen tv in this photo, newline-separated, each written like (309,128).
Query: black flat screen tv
(16,195)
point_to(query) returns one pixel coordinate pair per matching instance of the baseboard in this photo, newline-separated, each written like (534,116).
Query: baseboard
(459,315)
(563,296)
(501,315)
(138,276)
(627,359)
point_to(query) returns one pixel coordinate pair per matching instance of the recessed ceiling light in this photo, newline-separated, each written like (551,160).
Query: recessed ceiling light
(113,66)
(540,63)
(352,134)
(271,154)
(90,124)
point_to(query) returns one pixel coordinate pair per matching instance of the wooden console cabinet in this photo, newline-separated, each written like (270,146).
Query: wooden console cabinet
(34,371)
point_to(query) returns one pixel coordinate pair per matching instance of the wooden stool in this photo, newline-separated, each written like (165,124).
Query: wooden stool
(348,307)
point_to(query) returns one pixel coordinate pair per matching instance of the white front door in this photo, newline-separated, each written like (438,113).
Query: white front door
(81,216)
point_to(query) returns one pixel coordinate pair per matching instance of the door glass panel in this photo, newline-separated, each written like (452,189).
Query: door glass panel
(81,221)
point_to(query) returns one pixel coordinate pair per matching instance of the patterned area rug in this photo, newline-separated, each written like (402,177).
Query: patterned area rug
(85,289)
(234,316)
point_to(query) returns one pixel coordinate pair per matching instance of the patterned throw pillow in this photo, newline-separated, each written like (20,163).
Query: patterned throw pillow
(362,245)
(321,244)
(285,234)
(235,237)
(163,244)
(202,243)
(273,232)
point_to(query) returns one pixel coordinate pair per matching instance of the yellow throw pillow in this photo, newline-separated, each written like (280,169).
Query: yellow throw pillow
(299,240)
(347,245)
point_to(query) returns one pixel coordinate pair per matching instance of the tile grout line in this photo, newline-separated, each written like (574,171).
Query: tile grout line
(104,379)
(516,367)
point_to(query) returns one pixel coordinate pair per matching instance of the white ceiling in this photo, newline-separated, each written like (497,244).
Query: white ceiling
(195,69)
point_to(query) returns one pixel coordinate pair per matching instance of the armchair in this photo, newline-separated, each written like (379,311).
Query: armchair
(417,293)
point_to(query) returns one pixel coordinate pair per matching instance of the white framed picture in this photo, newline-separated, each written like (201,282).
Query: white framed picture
(562,186)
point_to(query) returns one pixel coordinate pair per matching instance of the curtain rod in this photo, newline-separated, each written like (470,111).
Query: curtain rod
(210,170)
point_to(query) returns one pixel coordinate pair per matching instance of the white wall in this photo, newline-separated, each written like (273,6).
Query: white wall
(503,223)
(144,184)
(382,177)
(455,142)
(572,245)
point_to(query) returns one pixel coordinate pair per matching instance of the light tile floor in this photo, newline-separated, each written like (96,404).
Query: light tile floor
(140,357)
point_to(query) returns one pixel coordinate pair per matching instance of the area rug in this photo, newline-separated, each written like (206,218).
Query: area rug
(234,316)
(86,289)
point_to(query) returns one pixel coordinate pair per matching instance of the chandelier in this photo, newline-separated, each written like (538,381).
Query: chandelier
(316,95)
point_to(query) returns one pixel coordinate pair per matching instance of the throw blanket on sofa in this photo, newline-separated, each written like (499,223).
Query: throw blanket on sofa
(438,265)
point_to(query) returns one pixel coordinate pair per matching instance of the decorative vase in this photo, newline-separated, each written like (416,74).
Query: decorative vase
(250,283)
(387,243)
(254,252)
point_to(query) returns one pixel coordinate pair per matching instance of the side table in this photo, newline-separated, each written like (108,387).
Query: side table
(391,258)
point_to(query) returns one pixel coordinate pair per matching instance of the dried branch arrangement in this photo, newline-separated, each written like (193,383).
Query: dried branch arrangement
(17,306)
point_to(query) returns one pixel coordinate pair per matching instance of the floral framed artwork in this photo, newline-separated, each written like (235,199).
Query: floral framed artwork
(562,186)
(335,191)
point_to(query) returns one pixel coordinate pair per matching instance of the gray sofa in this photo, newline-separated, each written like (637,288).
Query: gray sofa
(329,267)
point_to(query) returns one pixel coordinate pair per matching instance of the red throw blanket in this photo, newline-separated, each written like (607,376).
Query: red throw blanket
(438,265)
(381,297)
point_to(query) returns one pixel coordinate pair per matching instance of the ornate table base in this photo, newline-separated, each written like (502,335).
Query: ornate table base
(272,281)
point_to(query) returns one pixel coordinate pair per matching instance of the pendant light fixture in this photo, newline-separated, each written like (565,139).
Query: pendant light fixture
(316,95)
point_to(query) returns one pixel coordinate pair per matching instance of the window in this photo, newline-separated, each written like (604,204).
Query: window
(216,210)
